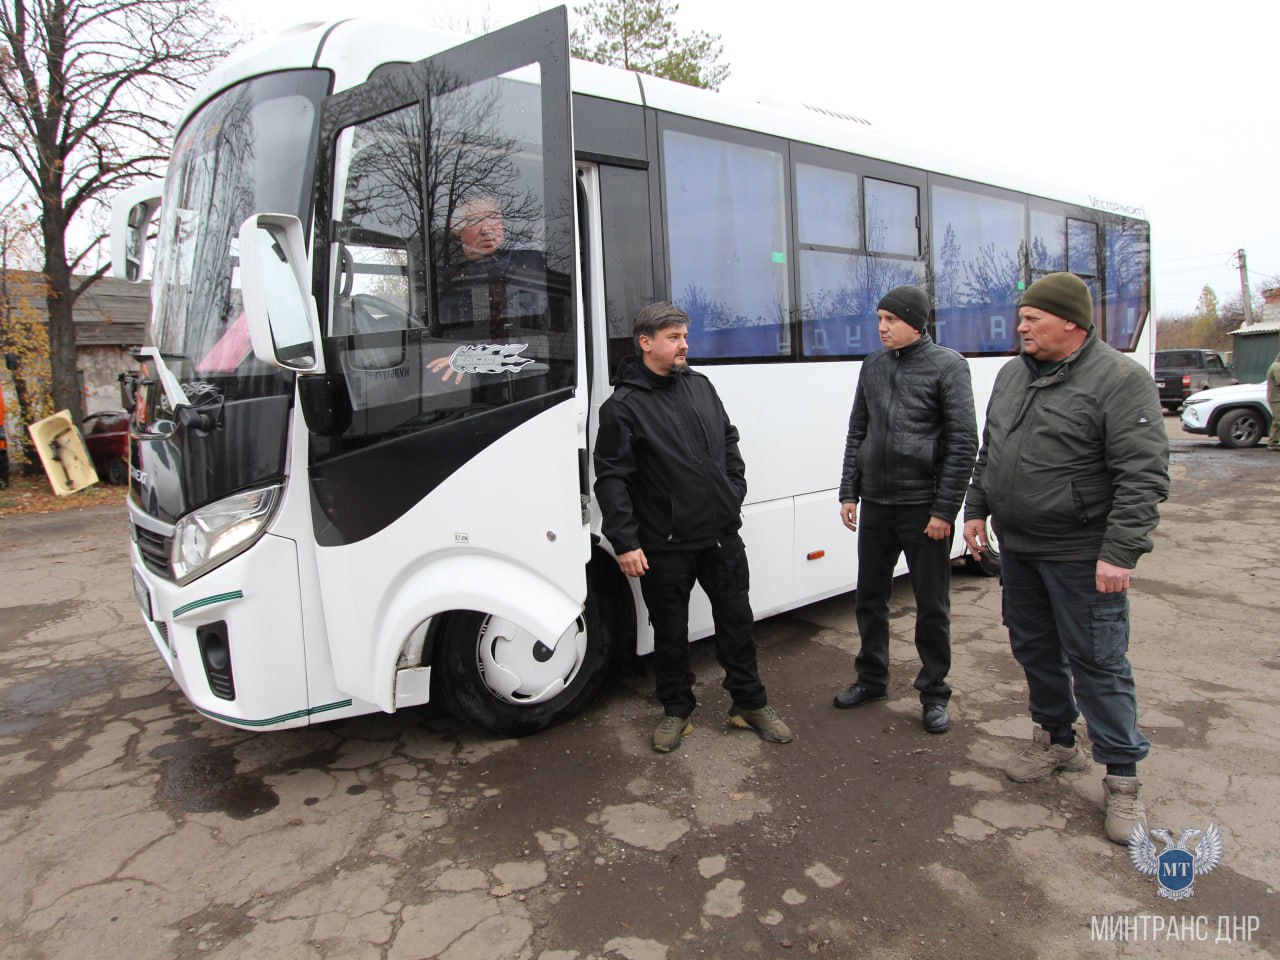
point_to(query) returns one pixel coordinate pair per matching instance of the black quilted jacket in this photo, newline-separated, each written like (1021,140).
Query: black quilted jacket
(913,433)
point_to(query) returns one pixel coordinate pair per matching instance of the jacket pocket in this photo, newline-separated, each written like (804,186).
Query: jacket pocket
(1092,501)
(1110,624)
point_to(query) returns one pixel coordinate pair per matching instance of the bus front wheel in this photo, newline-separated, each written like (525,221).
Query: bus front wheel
(495,675)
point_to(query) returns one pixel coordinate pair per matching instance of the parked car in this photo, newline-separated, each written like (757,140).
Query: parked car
(1180,373)
(1237,415)
(106,435)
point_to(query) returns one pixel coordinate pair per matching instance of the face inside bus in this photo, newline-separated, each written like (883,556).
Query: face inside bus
(477,223)
(666,352)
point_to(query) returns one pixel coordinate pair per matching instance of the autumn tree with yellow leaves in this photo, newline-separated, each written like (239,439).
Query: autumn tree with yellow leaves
(24,335)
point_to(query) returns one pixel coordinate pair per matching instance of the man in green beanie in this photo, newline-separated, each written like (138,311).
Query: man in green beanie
(1073,465)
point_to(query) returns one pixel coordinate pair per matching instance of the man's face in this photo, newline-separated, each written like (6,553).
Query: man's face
(895,332)
(667,350)
(478,226)
(1046,337)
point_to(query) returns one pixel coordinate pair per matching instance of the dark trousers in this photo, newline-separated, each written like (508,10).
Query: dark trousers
(885,532)
(1067,637)
(721,570)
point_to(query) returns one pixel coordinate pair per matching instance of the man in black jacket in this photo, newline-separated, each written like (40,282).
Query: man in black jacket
(911,445)
(670,483)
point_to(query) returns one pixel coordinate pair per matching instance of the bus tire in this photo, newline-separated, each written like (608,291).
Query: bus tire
(460,638)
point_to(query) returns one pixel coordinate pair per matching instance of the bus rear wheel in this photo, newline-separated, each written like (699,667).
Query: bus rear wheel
(495,675)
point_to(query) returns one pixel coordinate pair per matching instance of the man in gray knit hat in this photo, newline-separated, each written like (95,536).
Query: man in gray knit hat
(1073,466)
(907,458)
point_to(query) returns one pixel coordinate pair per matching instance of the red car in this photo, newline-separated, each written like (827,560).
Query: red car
(106,434)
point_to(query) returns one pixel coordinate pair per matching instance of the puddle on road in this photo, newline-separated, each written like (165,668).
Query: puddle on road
(203,779)
(29,703)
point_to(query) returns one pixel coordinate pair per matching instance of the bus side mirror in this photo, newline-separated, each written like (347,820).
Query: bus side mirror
(283,324)
(131,213)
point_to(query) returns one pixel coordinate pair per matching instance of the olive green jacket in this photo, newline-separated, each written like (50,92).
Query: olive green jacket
(1074,464)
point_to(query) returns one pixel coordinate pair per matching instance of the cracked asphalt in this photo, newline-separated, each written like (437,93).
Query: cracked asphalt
(132,827)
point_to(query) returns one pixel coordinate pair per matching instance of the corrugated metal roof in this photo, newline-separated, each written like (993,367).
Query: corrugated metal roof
(1266,326)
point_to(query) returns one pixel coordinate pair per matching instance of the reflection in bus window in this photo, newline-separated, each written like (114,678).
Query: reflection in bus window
(727,229)
(1127,247)
(838,297)
(444,302)
(251,149)
(1082,248)
(977,261)
(840,285)
(1048,243)
(893,218)
(828,212)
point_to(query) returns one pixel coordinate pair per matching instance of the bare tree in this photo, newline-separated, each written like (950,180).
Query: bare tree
(88,92)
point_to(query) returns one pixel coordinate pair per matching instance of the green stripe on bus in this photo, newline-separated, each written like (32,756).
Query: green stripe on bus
(283,718)
(217,598)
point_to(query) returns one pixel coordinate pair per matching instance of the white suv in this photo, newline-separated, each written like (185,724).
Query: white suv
(1238,415)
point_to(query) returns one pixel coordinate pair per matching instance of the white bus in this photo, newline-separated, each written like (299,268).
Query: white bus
(360,451)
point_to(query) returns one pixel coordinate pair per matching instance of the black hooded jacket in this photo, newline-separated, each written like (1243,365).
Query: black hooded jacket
(913,433)
(668,472)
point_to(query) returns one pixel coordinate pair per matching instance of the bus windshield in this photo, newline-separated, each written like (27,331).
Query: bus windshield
(252,149)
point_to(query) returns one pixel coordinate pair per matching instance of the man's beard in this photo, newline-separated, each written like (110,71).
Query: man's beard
(680,365)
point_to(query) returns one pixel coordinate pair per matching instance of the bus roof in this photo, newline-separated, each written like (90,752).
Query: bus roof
(352,49)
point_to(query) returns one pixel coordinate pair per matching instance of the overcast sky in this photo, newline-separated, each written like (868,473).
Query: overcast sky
(1168,106)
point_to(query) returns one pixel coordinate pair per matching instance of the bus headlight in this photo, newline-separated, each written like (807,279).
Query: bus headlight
(215,533)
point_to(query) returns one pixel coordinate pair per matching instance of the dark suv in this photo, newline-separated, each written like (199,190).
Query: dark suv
(1180,373)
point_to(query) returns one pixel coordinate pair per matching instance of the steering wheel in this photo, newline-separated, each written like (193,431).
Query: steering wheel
(373,313)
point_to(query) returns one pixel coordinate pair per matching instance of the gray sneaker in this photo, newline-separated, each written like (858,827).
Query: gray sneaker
(1125,809)
(1043,759)
(668,733)
(767,724)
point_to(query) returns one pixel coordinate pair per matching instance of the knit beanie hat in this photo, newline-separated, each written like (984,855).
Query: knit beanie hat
(1064,295)
(909,304)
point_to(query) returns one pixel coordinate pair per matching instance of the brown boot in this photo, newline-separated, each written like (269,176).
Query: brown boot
(1124,807)
(1043,759)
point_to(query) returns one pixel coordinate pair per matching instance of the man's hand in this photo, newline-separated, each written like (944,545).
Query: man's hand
(633,563)
(849,515)
(442,363)
(975,538)
(1112,579)
(938,529)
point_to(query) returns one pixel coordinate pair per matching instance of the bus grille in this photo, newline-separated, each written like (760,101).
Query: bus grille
(154,548)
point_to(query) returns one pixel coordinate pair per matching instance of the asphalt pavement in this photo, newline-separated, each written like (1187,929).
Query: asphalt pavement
(132,827)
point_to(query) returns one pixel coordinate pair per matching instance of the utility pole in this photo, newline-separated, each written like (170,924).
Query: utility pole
(1245,298)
